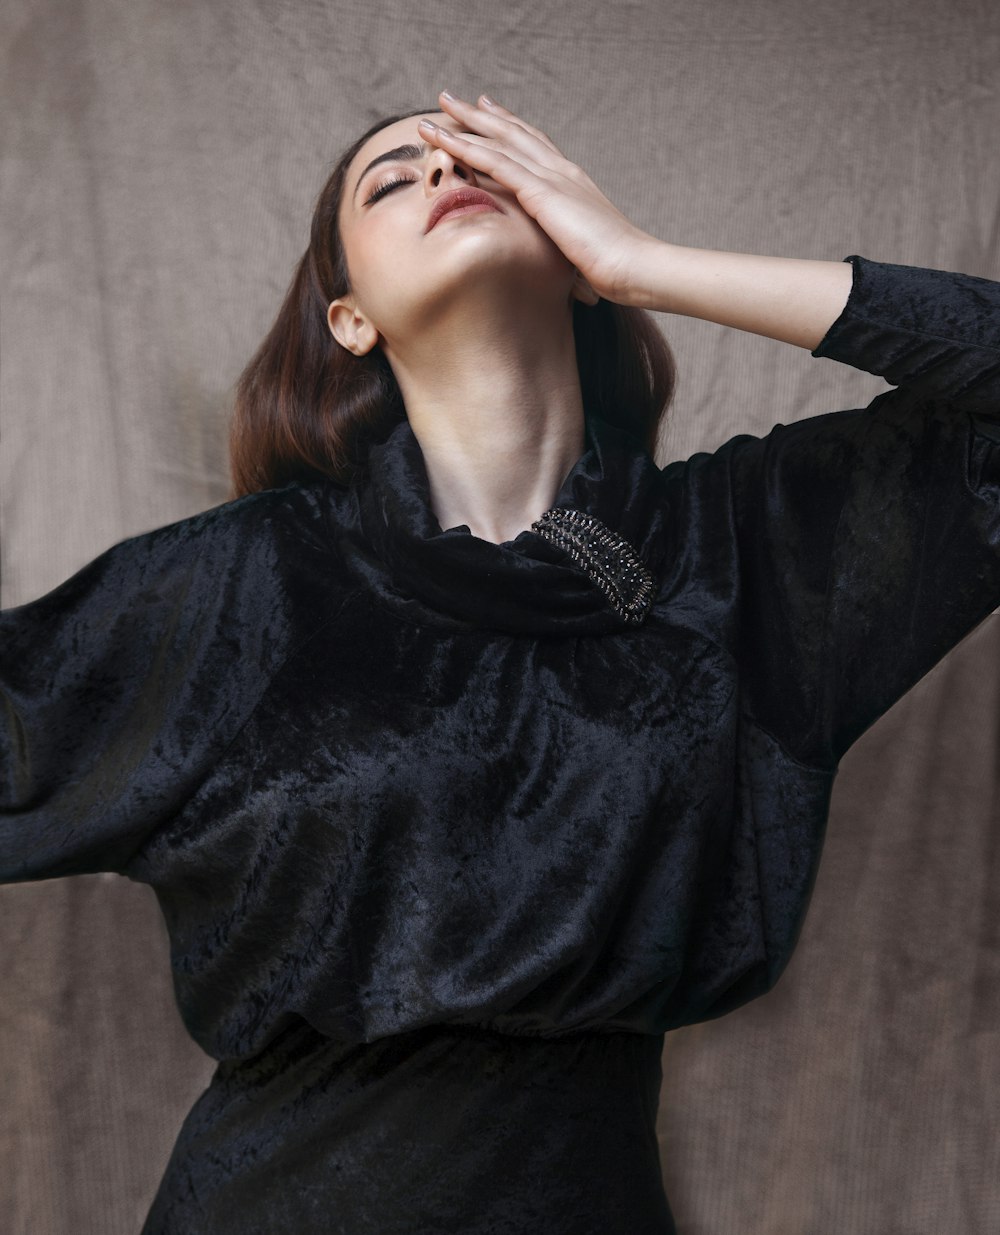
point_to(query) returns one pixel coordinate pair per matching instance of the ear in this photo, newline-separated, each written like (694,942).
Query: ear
(583,291)
(350,327)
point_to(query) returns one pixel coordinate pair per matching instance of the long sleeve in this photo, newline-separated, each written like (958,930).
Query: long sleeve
(121,686)
(869,540)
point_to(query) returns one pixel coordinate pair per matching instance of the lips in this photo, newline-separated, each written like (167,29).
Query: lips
(455,199)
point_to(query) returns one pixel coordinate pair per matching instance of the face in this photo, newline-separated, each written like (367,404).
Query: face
(478,265)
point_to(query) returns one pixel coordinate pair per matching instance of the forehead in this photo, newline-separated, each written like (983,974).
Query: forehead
(400,131)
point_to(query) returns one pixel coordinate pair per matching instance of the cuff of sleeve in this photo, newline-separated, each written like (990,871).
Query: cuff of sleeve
(828,345)
(889,325)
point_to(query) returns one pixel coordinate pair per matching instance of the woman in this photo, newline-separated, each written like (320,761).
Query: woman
(467,750)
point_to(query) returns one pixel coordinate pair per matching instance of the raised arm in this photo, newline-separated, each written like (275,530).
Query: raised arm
(791,299)
(794,300)
(869,539)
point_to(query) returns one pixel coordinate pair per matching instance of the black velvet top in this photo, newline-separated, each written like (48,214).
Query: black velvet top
(443,842)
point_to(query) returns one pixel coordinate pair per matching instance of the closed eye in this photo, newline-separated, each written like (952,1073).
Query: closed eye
(386,187)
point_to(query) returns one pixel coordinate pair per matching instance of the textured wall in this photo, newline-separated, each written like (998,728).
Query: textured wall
(159,164)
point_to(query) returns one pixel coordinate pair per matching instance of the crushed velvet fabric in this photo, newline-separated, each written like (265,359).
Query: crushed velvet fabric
(443,844)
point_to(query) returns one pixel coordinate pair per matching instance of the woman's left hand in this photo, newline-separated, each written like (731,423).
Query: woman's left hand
(603,245)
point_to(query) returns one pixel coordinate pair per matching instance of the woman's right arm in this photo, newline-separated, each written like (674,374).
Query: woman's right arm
(869,539)
(794,300)
(785,298)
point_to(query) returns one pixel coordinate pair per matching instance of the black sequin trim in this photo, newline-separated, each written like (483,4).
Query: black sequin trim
(607,558)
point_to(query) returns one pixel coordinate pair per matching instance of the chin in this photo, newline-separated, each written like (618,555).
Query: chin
(481,251)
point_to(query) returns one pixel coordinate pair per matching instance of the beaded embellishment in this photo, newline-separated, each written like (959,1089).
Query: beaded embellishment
(606,557)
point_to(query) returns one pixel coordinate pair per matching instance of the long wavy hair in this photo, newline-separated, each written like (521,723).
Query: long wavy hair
(305,407)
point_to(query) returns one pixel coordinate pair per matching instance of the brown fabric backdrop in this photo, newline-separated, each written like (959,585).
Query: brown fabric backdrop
(158,168)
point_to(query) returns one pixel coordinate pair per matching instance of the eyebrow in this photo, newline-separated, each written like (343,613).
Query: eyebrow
(400,152)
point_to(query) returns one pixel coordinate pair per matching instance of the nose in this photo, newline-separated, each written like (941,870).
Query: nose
(443,166)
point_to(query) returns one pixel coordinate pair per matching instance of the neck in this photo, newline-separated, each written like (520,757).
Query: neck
(498,415)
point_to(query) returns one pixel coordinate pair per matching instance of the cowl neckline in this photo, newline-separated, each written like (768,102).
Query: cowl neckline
(527,585)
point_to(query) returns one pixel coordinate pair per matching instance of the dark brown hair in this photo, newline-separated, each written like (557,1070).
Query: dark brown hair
(306,407)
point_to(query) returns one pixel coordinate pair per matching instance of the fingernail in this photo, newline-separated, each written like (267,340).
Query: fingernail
(447,94)
(485,98)
(427,124)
